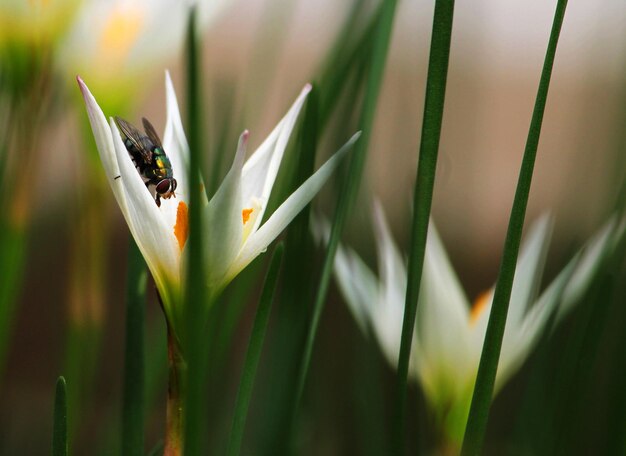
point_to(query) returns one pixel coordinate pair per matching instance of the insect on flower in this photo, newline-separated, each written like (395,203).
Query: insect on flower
(149,158)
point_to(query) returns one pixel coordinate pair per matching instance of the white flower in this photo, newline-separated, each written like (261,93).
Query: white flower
(449,333)
(112,43)
(232,217)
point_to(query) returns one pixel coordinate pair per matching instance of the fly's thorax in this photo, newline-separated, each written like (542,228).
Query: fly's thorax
(162,165)
(157,173)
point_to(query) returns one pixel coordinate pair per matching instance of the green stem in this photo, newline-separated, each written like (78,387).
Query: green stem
(196,300)
(254,353)
(349,189)
(487,369)
(423,196)
(59,432)
(134,355)
(174,436)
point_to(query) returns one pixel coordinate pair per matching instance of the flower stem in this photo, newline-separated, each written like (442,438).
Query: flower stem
(174,420)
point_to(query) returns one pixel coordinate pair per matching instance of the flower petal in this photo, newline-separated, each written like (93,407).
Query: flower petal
(518,343)
(593,253)
(258,241)
(358,285)
(154,237)
(104,142)
(443,330)
(177,149)
(260,170)
(389,310)
(174,139)
(529,270)
(224,221)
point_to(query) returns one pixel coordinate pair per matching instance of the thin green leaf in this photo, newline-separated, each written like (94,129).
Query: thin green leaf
(485,379)
(345,58)
(350,185)
(59,431)
(195,296)
(133,410)
(423,195)
(295,294)
(12,256)
(254,353)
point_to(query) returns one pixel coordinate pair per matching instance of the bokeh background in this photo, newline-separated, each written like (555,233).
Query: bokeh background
(256,56)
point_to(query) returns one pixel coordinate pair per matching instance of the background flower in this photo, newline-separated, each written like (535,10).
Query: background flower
(449,333)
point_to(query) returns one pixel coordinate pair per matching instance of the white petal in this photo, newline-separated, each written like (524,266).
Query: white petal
(355,280)
(260,170)
(527,279)
(174,139)
(104,141)
(259,240)
(516,345)
(389,311)
(224,220)
(592,255)
(529,270)
(391,265)
(358,285)
(177,149)
(154,237)
(442,319)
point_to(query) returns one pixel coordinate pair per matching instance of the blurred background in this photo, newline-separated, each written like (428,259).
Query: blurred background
(65,242)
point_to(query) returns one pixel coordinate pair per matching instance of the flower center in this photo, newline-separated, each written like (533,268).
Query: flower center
(181,227)
(245,214)
(479,306)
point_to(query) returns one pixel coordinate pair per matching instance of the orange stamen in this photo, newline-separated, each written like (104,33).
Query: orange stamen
(245,215)
(181,227)
(479,306)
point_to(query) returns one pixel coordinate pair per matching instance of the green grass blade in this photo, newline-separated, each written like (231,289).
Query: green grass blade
(195,296)
(133,410)
(422,198)
(350,185)
(344,57)
(12,258)
(485,379)
(296,294)
(254,353)
(59,430)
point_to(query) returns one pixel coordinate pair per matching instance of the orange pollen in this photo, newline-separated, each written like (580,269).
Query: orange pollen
(479,306)
(181,228)
(245,215)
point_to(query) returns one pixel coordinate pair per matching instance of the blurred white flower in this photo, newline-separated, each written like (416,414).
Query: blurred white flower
(449,333)
(232,217)
(112,43)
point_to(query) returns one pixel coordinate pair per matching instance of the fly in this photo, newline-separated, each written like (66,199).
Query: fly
(149,158)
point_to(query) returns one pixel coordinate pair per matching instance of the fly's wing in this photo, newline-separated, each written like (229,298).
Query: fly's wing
(137,138)
(151,132)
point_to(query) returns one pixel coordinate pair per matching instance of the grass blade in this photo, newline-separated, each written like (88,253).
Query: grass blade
(133,400)
(254,353)
(195,305)
(59,430)
(485,379)
(350,185)
(422,198)
(296,292)
(12,261)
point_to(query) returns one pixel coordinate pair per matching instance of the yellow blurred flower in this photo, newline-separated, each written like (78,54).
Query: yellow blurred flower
(115,43)
(34,22)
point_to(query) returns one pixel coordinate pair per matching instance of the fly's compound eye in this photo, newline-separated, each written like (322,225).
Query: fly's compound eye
(174,184)
(163,187)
